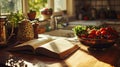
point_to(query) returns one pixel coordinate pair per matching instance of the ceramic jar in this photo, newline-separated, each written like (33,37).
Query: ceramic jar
(25,31)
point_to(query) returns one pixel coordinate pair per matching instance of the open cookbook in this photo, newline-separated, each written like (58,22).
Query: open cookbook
(58,48)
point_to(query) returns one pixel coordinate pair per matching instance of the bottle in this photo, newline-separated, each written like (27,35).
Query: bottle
(2,32)
(36,27)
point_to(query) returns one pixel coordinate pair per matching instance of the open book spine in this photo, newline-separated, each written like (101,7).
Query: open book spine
(23,49)
(62,55)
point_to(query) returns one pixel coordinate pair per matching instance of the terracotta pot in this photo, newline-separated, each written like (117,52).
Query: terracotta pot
(31,15)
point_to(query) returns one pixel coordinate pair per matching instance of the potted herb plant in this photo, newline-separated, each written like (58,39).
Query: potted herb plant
(46,13)
(31,15)
(12,25)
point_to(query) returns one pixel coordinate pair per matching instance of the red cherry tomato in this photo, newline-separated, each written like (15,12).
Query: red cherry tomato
(104,32)
(98,33)
(109,29)
(102,29)
(93,32)
(109,37)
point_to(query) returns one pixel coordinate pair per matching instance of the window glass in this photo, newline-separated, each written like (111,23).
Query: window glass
(59,5)
(7,6)
(37,5)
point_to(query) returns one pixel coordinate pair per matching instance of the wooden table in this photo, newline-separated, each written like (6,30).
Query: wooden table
(81,58)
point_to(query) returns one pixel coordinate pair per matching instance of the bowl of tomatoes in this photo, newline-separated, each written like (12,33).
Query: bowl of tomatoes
(96,36)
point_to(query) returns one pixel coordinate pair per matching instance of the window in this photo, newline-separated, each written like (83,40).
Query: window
(59,5)
(37,5)
(7,6)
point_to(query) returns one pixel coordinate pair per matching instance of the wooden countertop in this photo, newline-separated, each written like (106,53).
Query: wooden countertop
(81,58)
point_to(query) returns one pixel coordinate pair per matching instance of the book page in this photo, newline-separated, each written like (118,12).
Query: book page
(58,45)
(35,42)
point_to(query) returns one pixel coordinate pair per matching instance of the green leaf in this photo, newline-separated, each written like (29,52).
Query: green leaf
(80,29)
